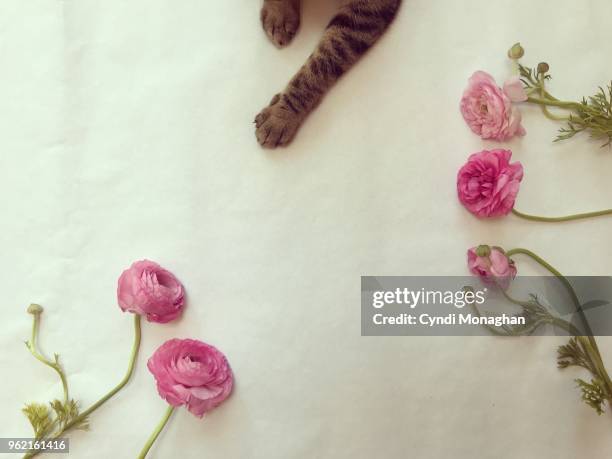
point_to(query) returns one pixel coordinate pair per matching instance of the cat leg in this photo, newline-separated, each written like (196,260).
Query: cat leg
(280,20)
(351,32)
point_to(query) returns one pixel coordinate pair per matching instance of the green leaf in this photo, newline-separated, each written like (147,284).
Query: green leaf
(594,304)
(593,394)
(68,412)
(40,418)
(573,355)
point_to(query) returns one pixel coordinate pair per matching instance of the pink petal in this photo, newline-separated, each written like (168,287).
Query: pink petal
(513,87)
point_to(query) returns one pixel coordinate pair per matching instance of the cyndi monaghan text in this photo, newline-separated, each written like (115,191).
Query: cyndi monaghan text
(450,319)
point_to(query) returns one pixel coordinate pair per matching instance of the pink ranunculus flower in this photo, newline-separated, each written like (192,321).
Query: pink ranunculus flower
(147,289)
(191,373)
(488,183)
(488,109)
(492,265)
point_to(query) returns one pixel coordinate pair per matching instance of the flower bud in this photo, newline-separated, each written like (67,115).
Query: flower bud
(491,265)
(543,67)
(516,52)
(35,309)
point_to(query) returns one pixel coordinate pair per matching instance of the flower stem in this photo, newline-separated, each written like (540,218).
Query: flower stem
(565,218)
(545,110)
(33,347)
(156,432)
(557,274)
(124,381)
(553,117)
(516,70)
(589,343)
(551,102)
(81,417)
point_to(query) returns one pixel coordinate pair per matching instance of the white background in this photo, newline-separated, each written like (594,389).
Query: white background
(127,133)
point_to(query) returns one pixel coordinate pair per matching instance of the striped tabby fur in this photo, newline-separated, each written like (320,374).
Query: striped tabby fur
(351,32)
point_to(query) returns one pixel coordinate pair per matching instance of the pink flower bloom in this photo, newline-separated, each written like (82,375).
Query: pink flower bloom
(492,265)
(489,111)
(191,373)
(148,289)
(487,184)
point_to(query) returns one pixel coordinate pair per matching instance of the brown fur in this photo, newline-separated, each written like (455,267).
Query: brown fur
(351,32)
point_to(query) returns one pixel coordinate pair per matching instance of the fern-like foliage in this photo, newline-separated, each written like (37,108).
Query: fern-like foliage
(593,115)
(534,313)
(39,416)
(573,354)
(576,354)
(51,419)
(66,413)
(593,394)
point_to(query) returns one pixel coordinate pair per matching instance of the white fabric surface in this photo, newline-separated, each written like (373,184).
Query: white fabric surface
(127,134)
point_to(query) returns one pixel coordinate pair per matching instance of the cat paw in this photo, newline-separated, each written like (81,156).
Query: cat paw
(276,124)
(280,20)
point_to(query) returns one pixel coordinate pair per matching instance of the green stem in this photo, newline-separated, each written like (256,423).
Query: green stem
(590,342)
(564,324)
(555,273)
(479,314)
(33,347)
(156,432)
(553,103)
(565,218)
(552,116)
(549,96)
(124,381)
(545,110)
(81,417)
(516,68)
